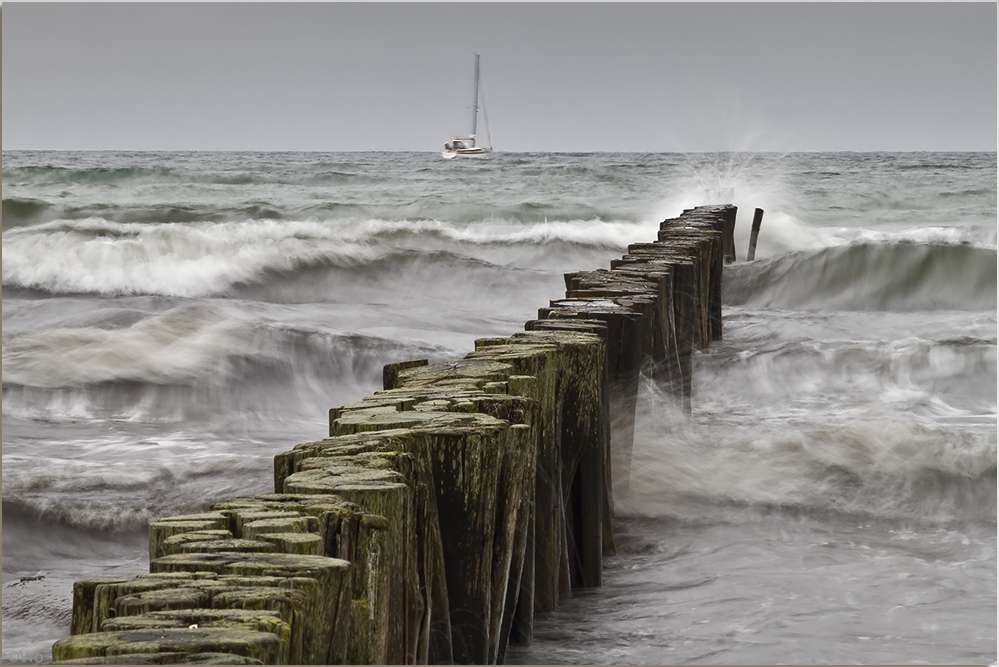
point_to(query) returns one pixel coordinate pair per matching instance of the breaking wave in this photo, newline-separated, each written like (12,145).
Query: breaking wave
(104,257)
(870,466)
(870,276)
(192,362)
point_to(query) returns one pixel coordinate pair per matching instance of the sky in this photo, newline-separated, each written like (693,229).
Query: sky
(563,76)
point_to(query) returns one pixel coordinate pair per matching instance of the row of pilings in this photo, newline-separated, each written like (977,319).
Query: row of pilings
(443,512)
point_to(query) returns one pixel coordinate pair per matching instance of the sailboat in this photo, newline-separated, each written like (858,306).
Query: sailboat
(465,146)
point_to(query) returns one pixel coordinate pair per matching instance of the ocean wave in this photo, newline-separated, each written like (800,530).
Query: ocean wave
(870,276)
(952,378)
(25,210)
(870,466)
(105,257)
(51,174)
(172,347)
(52,513)
(236,175)
(182,345)
(19,212)
(192,363)
(91,497)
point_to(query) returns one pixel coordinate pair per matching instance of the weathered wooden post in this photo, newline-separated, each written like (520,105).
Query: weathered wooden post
(757,221)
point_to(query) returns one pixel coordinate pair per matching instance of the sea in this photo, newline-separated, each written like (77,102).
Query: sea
(172,320)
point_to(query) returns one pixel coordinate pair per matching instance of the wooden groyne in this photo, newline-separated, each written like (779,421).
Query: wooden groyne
(443,512)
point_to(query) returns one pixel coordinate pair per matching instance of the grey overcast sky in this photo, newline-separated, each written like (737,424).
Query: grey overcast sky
(556,76)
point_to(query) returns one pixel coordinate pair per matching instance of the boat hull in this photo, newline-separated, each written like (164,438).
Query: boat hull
(465,152)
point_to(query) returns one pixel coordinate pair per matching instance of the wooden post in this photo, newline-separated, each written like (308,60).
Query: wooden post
(757,220)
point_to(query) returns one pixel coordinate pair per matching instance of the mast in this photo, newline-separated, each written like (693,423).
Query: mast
(475,100)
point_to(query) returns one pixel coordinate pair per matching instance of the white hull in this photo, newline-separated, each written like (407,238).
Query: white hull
(466,152)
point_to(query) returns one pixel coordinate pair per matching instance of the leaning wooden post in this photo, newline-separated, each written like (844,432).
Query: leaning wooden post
(757,220)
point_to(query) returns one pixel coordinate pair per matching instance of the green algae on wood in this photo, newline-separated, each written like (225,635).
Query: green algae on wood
(569,368)
(233,619)
(239,517)
(514,519)
(107,593)
(84,596)
(254,529)
(173,544)
(381,492)
(230,545)
(390,372)
(328,511)
(427,447)
(295,607)
(370,577)
(162,599)
(161,529)
(165,658)
(262,646)
(331,574)
(304,544)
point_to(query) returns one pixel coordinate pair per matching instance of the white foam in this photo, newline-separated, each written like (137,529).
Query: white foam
(974,235)
(748,181)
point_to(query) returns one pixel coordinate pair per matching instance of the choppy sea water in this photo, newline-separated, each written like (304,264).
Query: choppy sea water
(173,320)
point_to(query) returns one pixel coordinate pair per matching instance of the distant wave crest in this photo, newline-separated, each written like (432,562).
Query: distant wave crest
(870,276)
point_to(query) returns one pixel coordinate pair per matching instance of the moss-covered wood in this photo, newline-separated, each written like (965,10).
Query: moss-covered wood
(165,658)
(229,619)
(390,373)
(84,603)
(303,544)
(324,641)
(234,544)
(330,513)
(263,646)
(391,554)
(173,544)
(162,529)
(428,447)
(162,599)
(371,584)
(107,593)
(569,371)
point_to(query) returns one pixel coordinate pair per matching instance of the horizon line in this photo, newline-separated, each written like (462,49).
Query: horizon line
(524,152)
